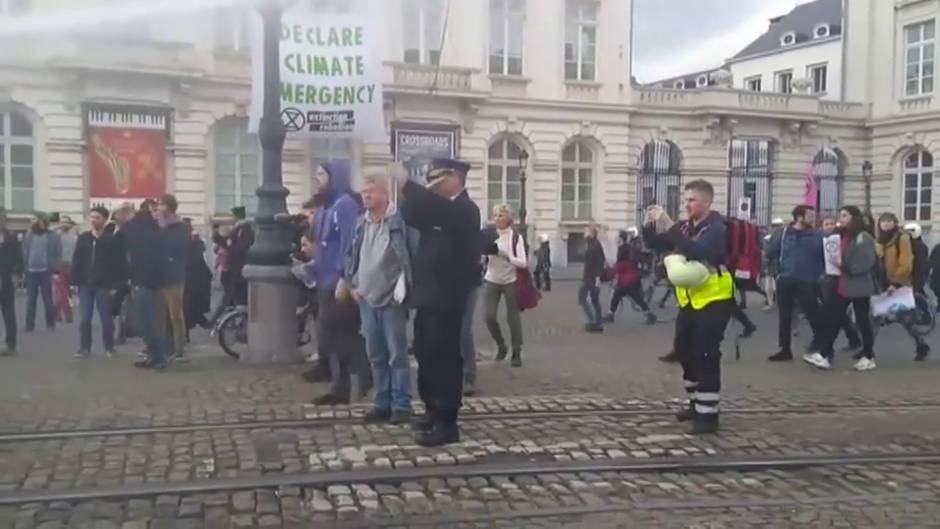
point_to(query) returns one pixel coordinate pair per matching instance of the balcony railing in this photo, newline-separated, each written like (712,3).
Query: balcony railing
(915,105)
(740,101)
(431,77)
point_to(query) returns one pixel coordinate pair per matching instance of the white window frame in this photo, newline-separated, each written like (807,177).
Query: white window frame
(918,173)
(423,8)
(506,22)
(504,165)
(7,141)
(232,32)
(581,24)
(924,83)
(748,82)
(779,87)
(577,165)
(238,151)
(701,81)
(783,39)
(811,74)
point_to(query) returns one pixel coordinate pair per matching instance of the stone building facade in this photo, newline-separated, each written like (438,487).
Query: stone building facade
(553,81)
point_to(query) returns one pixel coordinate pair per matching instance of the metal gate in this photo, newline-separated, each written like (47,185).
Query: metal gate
(750,176)
(658,181)
(828,170)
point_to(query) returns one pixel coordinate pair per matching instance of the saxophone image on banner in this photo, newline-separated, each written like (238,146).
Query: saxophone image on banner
(118,166)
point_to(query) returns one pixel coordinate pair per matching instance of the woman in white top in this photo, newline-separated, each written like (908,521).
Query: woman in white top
(506,254)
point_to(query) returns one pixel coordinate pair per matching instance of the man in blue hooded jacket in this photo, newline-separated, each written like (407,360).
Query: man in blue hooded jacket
(338,323)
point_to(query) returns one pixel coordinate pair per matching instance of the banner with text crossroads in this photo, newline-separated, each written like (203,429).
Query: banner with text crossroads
(331,75)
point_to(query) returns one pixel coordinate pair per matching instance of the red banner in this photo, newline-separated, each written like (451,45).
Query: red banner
(127,162)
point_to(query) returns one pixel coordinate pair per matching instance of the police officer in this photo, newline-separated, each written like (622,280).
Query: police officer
(704,309)
(446,269)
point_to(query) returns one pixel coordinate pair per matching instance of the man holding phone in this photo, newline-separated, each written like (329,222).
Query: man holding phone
(705,308)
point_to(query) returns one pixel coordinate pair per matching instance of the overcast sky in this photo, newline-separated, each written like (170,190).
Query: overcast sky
(674,37)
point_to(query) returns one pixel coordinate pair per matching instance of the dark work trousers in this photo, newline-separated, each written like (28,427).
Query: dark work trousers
(698,344)
(440,364)
(835,315)
(790,294)
(635,291)
(339,340)
(8,306)
(543,278)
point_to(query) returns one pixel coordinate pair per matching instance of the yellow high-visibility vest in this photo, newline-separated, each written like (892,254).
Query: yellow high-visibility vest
(717,287)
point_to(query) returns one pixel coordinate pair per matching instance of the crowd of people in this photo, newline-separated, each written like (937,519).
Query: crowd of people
(143,271)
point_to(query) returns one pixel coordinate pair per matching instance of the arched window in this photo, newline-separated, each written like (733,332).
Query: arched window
(828,170)
(658,180)
(750,177)
(237,174)
(577,181)
(17,162)
(502,175)
(918,185)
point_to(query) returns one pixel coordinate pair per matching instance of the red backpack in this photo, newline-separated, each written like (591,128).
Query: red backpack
(742,253)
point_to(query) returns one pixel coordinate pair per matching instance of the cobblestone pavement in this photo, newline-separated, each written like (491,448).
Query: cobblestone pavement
(613,390)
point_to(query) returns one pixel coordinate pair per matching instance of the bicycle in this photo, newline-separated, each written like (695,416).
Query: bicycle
(919,322)
(231,329)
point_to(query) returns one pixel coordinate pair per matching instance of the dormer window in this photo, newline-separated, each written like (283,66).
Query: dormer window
(788,39)
(679,85)
(821,31)
(701,81)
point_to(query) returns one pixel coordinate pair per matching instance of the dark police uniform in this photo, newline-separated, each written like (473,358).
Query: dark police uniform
(704,312)
(446,268)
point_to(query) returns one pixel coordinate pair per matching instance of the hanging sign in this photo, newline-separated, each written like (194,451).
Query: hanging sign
(331,75)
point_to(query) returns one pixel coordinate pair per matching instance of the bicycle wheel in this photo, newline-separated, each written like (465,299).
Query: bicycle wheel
(233,333)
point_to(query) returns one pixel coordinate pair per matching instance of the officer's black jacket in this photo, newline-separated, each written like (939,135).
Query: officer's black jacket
(447,263)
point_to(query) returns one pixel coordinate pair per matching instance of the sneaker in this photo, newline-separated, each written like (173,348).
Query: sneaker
(670,358)
(469,389)
(651,318)
(922,351)
(516,360)
(501,354)
(817,360)
(781,356)
(593,329)
(110,353)
(82,353)
(864,364)
(767,308)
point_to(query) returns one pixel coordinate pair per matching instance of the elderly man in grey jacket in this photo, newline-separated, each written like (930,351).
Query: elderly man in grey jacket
(379,269)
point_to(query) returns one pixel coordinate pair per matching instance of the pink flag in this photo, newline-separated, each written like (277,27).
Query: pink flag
(810,190)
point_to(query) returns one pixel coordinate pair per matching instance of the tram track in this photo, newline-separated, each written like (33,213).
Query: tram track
(513,469)
(356,418)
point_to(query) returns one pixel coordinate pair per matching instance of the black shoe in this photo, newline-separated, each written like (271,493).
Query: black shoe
(609,318)
(670,358)
(781,356)
(422,423)
(651,318)
(686,414)
(469,389)
(702,425)
(922,351)
(516,359)
(857,356)
(400,417)
(748,331)
(501,354)
(315,374)
(376,415)
(440,434)
(593,328)
(330,399)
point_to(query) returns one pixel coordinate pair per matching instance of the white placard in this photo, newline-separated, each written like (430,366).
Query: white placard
(331,75)
(832,254)
(900,300)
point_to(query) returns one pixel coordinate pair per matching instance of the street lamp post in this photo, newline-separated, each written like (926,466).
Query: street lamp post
(523,163)
(272,332)
(866,175)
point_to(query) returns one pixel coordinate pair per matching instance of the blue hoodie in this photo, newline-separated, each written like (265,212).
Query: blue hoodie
(333,226)
(798,254)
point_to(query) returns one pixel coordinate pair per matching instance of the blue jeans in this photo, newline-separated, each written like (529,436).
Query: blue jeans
(39,283)
(387,347)
(592,310)
(146,316)
(88,297)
